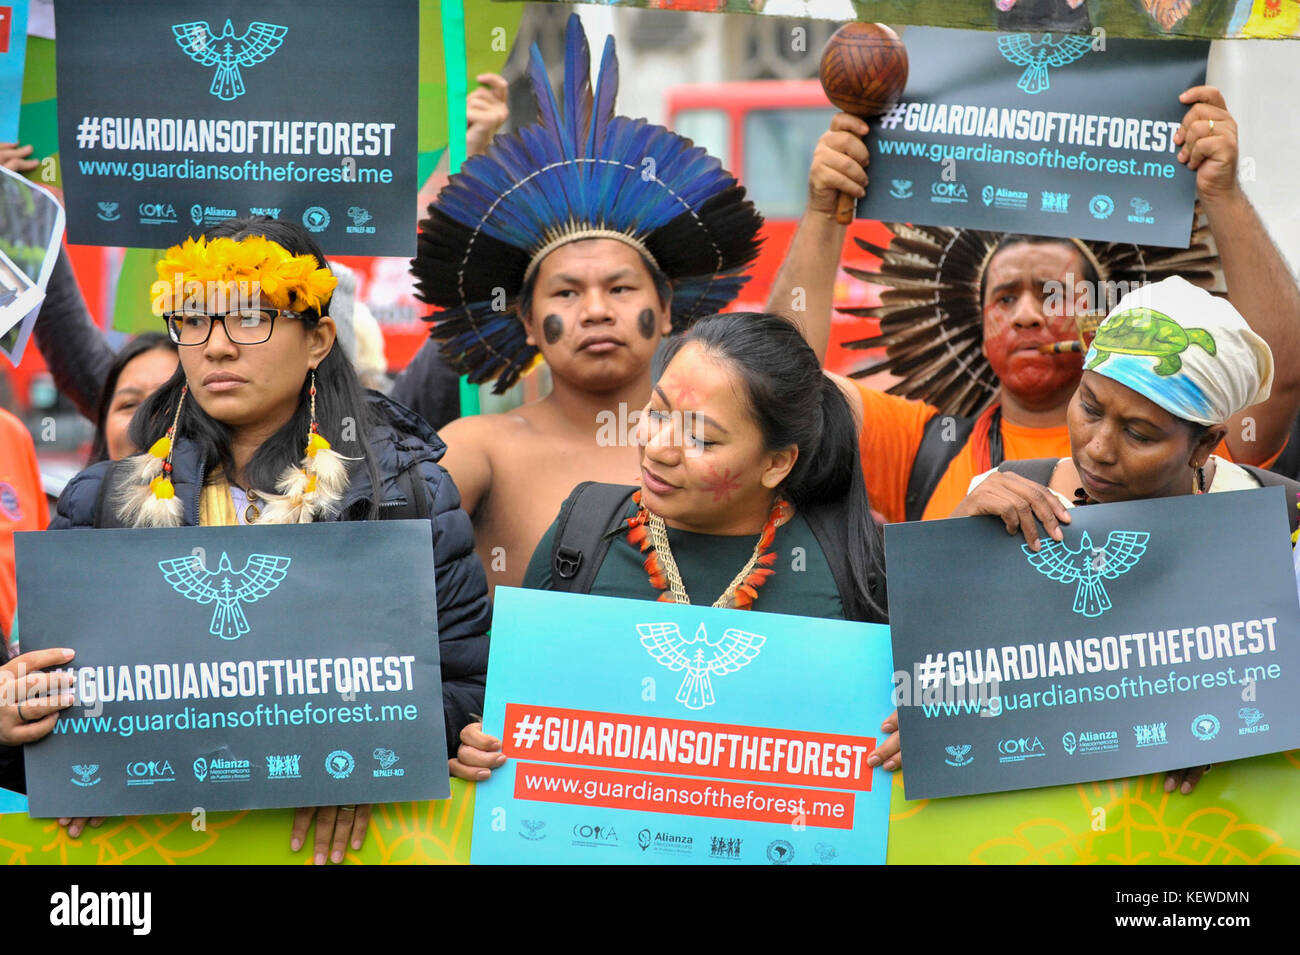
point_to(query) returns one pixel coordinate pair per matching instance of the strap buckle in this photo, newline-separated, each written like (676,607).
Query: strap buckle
(567,562)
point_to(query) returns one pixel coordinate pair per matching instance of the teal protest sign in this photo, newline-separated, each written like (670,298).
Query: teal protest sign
(1047,134)
(1157,635)
(644,732)
(13,51)
(237,667)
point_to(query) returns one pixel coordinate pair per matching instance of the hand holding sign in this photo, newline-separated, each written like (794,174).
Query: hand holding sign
(1208,136)
(32,699)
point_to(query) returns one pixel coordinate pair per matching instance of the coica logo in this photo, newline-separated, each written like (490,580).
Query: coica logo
(340,764)
(156,213)
(947,192)
(1019,749)
(588,835)
(141,773)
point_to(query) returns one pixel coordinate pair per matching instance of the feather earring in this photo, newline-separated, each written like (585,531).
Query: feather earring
(148,498)
(312,489)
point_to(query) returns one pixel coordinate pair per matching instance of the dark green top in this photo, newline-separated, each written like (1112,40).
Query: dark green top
(802,584)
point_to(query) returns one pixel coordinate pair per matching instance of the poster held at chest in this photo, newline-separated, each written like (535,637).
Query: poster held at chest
(237,667)
(1158,635)
(1046,134)
(654,733)
(299,111)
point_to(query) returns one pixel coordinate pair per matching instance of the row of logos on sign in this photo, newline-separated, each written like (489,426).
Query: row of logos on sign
(1085,742)
(1101,206)
(314,218)
(338,765)
(727,848)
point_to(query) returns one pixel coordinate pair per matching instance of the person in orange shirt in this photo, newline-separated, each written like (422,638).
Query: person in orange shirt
(22,507)
(1016,294)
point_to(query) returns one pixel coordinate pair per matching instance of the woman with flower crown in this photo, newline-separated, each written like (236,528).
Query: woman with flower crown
(245,432)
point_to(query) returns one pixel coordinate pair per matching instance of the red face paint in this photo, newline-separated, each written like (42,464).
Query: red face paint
(722,486)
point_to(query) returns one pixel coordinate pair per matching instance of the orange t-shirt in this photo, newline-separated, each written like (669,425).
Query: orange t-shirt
(22,505)
(892,428)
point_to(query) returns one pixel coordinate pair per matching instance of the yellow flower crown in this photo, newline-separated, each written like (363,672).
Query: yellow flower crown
(255,264)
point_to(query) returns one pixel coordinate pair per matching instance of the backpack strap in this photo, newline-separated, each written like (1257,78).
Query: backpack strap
(1273,479)
(1038,470)
(588,519)
(417,505)
(933,456)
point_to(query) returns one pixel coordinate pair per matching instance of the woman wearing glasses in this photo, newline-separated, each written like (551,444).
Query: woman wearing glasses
(265,422)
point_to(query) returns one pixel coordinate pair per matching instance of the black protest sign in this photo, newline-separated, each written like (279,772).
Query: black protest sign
(1046,134)
(1158,635)
(237,667)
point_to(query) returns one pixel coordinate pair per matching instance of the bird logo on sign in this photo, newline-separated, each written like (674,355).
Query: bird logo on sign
(1036,55)
(225,587)
(1089,566)
(700,656)
(228,52)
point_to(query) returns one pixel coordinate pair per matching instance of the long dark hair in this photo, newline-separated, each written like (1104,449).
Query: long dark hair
(340,399)
(137,346)
(793,402)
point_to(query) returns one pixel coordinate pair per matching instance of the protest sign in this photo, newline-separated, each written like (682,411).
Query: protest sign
(643,732)
(298,111)
(13,49)
(1134,645)
(31,229)
(1051,134)
(237,667)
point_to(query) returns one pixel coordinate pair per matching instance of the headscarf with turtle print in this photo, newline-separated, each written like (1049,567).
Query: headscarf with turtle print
(1186,350)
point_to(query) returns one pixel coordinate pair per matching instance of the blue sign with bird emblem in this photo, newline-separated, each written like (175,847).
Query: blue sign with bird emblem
(301,111)
(237,667)
(646,733)
(1040,133)
(1157,635)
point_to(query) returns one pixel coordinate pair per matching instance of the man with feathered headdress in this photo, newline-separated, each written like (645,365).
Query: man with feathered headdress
(580,240)
(965,314)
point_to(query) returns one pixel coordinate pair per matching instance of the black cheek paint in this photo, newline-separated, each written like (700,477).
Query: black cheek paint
(552,328)
(645,323)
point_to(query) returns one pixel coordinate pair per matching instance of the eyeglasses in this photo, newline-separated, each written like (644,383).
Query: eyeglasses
(245,326)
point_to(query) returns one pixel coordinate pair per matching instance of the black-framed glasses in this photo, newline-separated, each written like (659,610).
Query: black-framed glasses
(243,326)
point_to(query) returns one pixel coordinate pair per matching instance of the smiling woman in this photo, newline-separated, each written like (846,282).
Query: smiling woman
(243,432)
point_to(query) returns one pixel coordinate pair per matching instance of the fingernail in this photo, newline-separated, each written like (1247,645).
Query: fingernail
(337,856)
(320,858)
(69,653)
(873,760)
(295,844)
(483,773)
(1187,789)
(501,759)
(356,844)
(892,764)
(1169,785)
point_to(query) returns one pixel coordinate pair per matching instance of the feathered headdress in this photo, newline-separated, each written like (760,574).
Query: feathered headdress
(577,174)
(932,320)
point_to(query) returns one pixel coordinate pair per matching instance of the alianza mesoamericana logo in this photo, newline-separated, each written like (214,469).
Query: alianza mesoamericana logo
(1037,54)
(1101,206)
(699,656)
(316,219)
(225,587)
(1090,741)
(1087,566)
(228,52)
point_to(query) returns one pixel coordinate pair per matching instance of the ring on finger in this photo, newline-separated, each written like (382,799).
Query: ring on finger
(1211,125)
(347,808)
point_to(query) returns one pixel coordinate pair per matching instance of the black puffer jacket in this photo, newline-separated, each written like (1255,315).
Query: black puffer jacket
(402,439)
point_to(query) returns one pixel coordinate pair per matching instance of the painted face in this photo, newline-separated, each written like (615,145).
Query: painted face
(1126,447)
(1018,316)
(140,377)
(255,386)
(703,463)
(595,314)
